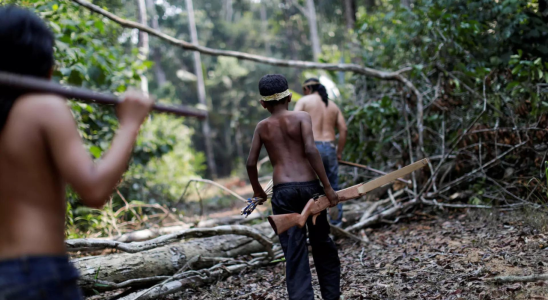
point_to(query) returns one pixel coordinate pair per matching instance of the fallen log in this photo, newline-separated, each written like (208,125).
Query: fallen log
(99,244)
(147,234)
(108,272)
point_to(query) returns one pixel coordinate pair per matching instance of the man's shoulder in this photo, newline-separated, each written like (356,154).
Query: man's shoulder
(40,104)
(307,99)
(333,105)
(301,115)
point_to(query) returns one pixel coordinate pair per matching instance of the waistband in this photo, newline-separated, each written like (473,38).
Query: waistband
(297,184)
(34,260)
(324,142)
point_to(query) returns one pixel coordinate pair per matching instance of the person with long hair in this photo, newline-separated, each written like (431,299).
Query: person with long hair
(326,117)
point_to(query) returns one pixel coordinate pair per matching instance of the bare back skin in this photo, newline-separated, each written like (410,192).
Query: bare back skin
(324,118)
(32,206)
(283,141)
(40,150)
(288,139)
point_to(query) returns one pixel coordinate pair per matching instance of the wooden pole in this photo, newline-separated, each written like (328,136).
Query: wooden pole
(32,84)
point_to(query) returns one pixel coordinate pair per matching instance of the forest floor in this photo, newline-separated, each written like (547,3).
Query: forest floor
(445,257)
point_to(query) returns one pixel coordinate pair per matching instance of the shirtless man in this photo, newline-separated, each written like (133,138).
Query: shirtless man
(325,117)
(40,151)
(289,142)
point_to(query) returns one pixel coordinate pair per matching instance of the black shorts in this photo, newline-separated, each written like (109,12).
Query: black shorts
(39,278)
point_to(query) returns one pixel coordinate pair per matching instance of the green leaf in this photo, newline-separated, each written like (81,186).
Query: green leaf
(96,151)
(97,274)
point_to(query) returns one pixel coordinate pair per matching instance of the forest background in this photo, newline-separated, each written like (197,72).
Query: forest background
(480,69)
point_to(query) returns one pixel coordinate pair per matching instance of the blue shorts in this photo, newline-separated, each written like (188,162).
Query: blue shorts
(39,278)
(328,152)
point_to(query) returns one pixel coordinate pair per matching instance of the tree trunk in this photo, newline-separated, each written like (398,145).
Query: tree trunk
(143,40)
(159,73)
(229,11)
(162,261)
(313,23)
(350,13)
(129,268)
(239,142)
(290,39)
(201,91)
(264,25)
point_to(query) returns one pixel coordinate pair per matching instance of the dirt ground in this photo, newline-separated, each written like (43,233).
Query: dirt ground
(427,257)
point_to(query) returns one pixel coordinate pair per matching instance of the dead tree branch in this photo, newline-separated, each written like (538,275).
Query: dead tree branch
(385,214)
(217,185)
(337,231)
(384,75)
(530,278)
(193,278)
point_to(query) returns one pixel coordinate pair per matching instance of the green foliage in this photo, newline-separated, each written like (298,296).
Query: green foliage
(88,53)
(460,51)
(164,176)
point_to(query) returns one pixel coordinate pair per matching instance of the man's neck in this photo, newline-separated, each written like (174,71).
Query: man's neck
(277,110)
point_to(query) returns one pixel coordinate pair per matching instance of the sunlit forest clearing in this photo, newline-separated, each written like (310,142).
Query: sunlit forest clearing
(460,82)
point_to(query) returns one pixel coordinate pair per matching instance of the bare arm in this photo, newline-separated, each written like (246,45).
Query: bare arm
(93,182)
(315,159)
(251,165)
(341,126)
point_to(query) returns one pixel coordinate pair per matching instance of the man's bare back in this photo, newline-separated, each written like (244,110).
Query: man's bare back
(40,150)
(282,137)
(324,118)
(288,139)
(32,206)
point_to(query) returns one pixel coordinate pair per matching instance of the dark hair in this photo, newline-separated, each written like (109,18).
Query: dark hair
(26,49)
(272,84)
(318,88)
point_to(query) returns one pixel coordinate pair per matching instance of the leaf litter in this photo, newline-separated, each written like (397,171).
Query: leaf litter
(426,257)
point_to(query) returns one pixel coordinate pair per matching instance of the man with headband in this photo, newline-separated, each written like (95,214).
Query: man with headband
(325,117)
(289,142)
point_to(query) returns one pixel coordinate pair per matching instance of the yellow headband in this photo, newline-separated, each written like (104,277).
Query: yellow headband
(277,96)
(311,83)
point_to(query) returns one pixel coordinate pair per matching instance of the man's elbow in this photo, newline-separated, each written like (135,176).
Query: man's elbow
(250,164)
(94,198)
(310,150)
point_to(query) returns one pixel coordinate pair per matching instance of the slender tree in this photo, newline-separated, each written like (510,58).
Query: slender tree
(201,90)
(229,11)
(143,40)
(350,13)
(264,28)
(310,13)
(313,23)
(159,73)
